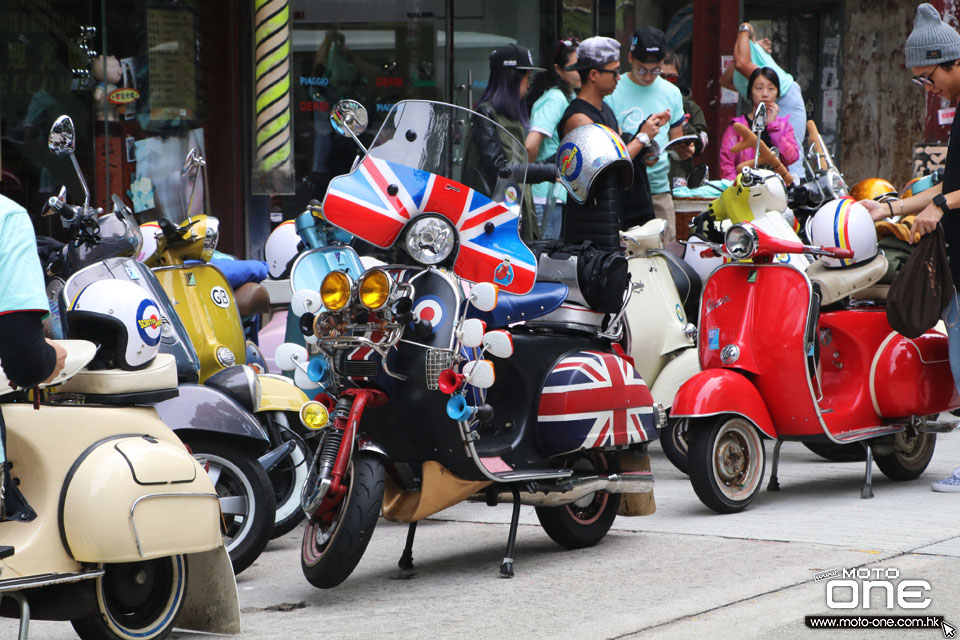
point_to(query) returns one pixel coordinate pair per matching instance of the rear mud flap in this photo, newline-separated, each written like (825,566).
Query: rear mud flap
(212,604)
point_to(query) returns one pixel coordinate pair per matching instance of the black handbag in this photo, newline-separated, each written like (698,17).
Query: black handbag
(923,287)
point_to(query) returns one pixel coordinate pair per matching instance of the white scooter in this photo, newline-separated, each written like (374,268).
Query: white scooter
(110,522)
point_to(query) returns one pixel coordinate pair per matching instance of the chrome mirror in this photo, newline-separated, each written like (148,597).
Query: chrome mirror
(63,136)
(349,118)
(193,159)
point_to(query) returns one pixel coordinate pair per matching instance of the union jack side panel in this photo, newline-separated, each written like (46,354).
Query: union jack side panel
(360,203)
(594,400)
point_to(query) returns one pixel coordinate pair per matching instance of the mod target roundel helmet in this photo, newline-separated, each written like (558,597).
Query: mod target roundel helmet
(120,317)
(846,224)
(585,153)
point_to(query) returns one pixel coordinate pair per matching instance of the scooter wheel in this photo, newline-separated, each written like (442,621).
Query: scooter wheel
(726,462)
(288,479)
(912,452)
(136,600)
(246,498)
(673,440)
(585,522)
(334,542)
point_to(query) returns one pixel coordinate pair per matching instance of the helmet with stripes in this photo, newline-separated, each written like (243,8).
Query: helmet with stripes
(846,224)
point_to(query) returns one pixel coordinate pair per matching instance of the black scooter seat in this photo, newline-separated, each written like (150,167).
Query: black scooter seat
(544,298)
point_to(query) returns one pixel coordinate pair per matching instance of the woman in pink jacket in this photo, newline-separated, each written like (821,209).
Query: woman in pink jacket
(763,86)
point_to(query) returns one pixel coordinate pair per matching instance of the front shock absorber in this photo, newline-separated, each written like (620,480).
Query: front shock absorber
(318,484)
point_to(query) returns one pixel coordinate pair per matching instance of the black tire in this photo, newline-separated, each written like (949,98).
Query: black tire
(333,543)
(136,600)
(726,462)
(838,452)
(673,440)
(246,498)
(911,454)
(583,523)
(288,478)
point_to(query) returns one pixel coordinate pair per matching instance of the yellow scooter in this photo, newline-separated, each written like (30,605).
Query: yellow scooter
(205,303)
(110,522)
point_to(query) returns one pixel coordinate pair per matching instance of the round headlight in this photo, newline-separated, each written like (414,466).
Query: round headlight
(314,415)
(740,242)
(335,290)
(374,288)
(430,239)
(225,357)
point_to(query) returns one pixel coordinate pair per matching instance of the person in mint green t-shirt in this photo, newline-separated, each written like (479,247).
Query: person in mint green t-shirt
(643,95)
(551,94)
(748,54)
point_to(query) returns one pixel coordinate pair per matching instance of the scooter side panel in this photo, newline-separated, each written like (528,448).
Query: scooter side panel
(912,377)
(594,400)
(278,394)
(43,445)
(128,499)
(718,391)
(754,318)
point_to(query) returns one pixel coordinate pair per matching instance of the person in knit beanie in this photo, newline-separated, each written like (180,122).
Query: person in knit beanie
(933,56)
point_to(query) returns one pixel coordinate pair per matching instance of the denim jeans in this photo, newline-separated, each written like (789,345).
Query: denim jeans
(792,106)
(951,317)
(549,229)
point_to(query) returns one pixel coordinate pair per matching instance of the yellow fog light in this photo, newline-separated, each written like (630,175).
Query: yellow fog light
(314,415)
(335,290)
(375,287)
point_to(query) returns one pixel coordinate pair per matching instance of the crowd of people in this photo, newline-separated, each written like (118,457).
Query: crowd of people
(583,82)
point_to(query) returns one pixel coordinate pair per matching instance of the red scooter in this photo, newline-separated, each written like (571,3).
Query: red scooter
(790,355)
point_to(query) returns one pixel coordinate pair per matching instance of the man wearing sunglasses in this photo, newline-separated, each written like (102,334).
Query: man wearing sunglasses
(642,95)
(933,53)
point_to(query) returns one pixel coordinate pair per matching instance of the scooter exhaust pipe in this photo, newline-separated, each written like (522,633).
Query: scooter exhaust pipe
(626,482)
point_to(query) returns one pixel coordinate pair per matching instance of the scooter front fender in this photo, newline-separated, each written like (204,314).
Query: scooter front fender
(200,409)
(280,394)
(717,391)
(673,375)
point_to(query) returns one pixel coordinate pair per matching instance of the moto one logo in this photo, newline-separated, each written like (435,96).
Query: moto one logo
(855,587)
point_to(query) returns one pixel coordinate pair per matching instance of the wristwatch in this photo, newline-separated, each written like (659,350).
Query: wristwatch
(643,138)
(941,202)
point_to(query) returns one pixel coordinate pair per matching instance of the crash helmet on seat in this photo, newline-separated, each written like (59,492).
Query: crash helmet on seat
(588,151)
(282,246)
(846,224)
(122,318)
(872,189)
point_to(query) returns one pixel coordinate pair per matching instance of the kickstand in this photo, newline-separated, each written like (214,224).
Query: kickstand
(774,481)
(867,490)
(406,558)
(24,612)
(506,569)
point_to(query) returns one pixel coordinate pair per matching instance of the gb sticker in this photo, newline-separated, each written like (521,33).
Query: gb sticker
(220,297)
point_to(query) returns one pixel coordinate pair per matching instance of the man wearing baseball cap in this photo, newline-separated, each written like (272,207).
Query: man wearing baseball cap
(598,62)
(933,56)
(646,95)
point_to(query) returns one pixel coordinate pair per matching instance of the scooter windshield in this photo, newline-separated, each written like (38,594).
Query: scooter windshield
(430,158)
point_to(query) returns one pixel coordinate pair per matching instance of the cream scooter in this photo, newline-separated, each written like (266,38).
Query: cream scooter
(118,528)
(662,342)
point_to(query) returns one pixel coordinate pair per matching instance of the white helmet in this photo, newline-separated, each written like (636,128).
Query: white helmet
(846,224)
(120,317)
(282,246)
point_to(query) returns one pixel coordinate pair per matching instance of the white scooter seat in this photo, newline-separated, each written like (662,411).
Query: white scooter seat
(837,284)
(160,375)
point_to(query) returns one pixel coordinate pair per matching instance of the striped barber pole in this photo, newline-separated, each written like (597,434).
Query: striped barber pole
(273,161)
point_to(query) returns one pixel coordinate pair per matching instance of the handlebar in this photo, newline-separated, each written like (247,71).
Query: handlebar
(748,139)
(817,143)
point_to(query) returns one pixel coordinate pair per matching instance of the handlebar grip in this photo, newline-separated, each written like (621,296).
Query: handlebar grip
(837,252)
